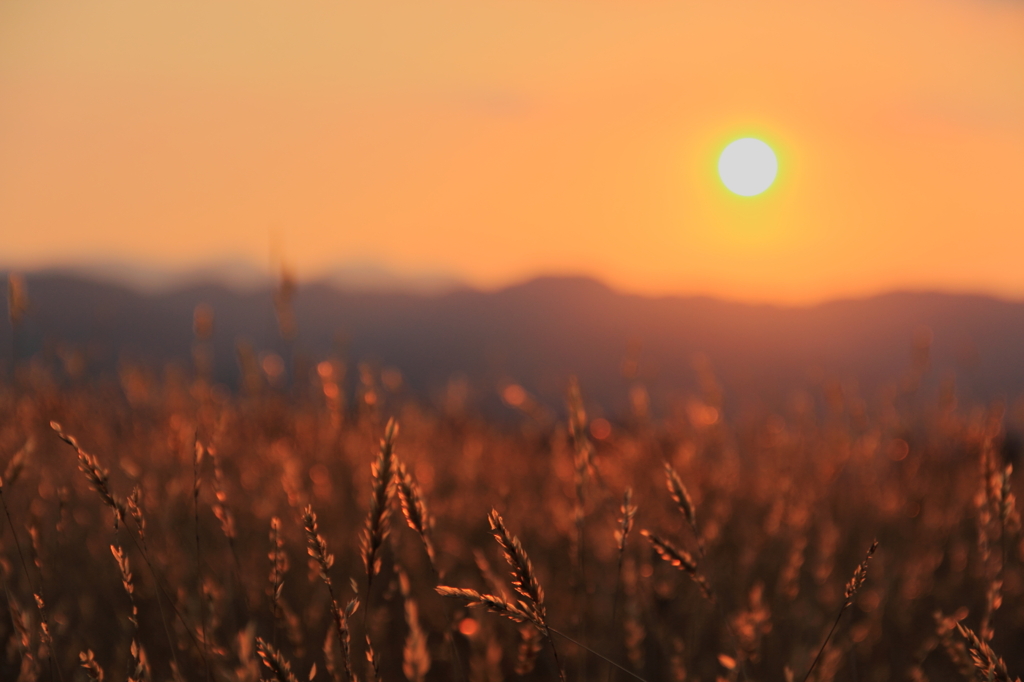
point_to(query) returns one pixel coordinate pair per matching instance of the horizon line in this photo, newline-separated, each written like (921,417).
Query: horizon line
(344,279)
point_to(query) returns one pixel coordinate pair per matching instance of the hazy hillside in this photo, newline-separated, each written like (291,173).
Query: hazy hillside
(538,332)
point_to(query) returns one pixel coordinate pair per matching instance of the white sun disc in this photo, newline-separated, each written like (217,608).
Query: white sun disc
(748,166)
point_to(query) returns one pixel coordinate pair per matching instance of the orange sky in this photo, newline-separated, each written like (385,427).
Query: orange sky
(494,141)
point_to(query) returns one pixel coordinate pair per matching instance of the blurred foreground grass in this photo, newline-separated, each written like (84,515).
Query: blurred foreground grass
(781,512)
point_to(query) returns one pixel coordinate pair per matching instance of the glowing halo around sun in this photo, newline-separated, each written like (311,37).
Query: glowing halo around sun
(748,167)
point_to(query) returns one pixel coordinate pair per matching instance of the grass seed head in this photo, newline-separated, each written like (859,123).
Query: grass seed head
(378,519)
(625,526)
(524,578)
(274,661)
(989,665)
(97,476)
(681,559)
(92,668)
(860,574)
(680,495)
(415,509)
(316,545)
(519,611)
(17,464)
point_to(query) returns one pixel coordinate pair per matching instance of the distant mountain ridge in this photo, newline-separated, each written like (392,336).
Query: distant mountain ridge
(538,332)
(243,274)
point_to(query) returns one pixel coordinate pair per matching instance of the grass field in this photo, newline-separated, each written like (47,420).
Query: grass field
(179,532)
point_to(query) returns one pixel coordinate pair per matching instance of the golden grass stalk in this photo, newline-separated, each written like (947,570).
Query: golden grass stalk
(583,451)
(227,522)
(415,654)
(99,480)
(134,504)
(1008,514)
(529,609)
(275,661)
(220,504)
(35,547)
(17,463)
(126,580)
(582,465)
(520,611)
(284,295)
(860,574)
(98,477)
(45,637)
(92,668)
(992,505)
(577,412)
(989,665)
(138,668)
(1000,504)
(29,664)
(415,509)
(524,579)
(625,526)
(197,460)
(681,559)
(317,548)
(681,496)
(378,519)
(278,567)
(44,622)
(371,658)
(622,532)
(17,298)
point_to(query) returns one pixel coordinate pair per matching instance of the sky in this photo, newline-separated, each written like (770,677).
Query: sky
(493,141)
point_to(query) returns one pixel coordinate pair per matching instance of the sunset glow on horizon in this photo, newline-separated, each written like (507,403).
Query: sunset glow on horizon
(495,141)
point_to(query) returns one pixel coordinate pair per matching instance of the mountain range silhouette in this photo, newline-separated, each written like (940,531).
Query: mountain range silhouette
(538,333)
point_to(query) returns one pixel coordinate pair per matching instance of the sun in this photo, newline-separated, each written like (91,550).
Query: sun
(748,167)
